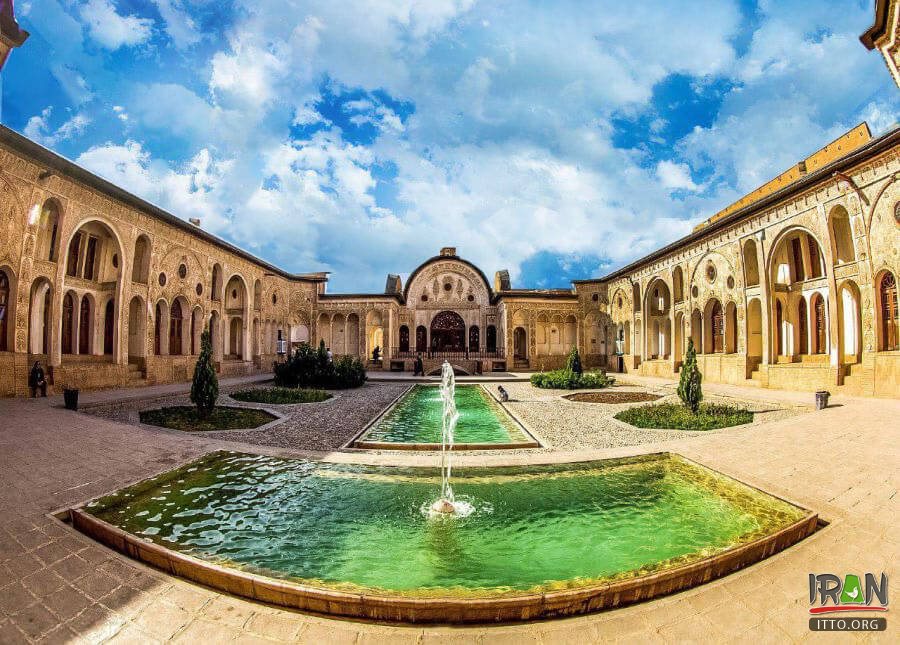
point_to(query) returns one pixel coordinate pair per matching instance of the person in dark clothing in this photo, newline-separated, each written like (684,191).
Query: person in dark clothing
(376,353)
(36,380)
(418,366)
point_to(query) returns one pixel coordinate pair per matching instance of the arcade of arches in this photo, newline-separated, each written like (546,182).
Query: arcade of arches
(798,291)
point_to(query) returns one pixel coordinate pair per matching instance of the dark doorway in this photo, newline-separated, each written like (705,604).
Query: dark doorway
(520,343)
(491,338)
(404,338)
(84,327)
(421,339)
(108,328)
(474,339)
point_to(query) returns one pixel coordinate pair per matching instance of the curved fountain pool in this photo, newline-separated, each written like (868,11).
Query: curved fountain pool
(359,540)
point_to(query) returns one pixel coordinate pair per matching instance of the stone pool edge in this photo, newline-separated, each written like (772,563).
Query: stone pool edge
(568,602)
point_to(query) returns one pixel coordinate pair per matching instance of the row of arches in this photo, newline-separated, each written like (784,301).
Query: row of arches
(448,333)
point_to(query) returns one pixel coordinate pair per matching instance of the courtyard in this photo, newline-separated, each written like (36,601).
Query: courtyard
(60,585)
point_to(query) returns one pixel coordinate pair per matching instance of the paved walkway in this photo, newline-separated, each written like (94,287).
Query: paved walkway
(58,586)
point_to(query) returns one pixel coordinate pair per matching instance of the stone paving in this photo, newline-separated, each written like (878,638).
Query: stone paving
(58,586)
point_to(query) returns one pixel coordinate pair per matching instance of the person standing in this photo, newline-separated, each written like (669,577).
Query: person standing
(37,381)
(330,355)
(418,366)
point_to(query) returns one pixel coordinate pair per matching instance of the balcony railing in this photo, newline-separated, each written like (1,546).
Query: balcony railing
(463,355)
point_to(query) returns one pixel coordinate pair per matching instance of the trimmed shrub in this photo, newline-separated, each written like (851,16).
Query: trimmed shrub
(311,368)
(689,383)
(205,385)
(671,416)
(566,379)
(280,395)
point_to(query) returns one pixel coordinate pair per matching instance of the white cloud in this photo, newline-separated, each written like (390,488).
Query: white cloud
(179,25)
(39,129)
(676,176)
(112,30)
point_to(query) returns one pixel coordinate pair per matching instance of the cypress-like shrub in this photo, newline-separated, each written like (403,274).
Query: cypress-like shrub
(689,384)
(205,386)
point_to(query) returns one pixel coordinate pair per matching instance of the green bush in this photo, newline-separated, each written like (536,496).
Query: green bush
(188,419)
(689,383)
(566,379)
(311,368)
(205,385)
(671,416)
(280,395)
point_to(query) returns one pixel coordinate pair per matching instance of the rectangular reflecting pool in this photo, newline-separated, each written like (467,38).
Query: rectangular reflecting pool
(532,530)
(414,423)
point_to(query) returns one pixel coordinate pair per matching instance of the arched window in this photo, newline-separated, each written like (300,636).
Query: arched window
(4,312)
(176,325)
(779,328)
(257,295)
(841,236)
(108,326)
(819,335)
(890,325)
(216,293)
(751,264)
(48,234)
(717,319)
(84,326)
(404,338)
(678,284)
(803,327)
(474,339)
(140,270)
(68,325)
(636,293)
(157,331)
(491,338)
(421,339)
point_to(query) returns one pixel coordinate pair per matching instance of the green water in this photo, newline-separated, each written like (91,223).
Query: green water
(417,419)
(361,527)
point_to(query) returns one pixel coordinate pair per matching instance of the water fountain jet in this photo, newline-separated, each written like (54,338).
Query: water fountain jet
(446,504)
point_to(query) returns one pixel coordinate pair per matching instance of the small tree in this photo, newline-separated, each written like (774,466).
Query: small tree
(689,390)
(573,362)
(205,387)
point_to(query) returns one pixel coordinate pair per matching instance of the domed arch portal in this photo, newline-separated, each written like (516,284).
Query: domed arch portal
(448,332)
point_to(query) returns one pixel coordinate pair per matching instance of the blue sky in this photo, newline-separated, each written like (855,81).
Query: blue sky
(557,140)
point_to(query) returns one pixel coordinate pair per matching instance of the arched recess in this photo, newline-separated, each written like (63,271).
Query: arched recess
(40,315)
(754,329)
(215,292)
(841,236)
(257,295)
(140,268)
(137,328)
(731,330)
(161,328)
(888,323)
(179,338)
(520,343)
(490,338)
(421,338)
(751,263)
(94,253)
(802,326)
(48,231)
(196,329)
(404,339)
(542,335)
(352,335)
(323,328)
(299,334)
(818,325)
(86,329)
(636,296)
(448,332)
(68,323)
(109,327)
(570,333)
(658,313)
(783,330)
(796,257)
(697,330)
(713,327)
(215,335)
(256,339)
(7,310)
(678,284)
(474,338)
(236,337)
(678,343)
(338,335)
(849,334)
